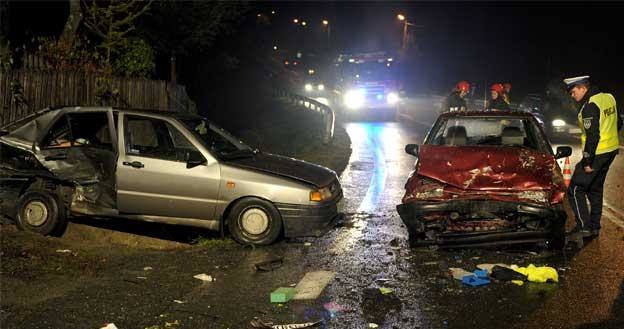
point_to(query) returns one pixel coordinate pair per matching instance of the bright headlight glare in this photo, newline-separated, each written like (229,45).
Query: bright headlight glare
(558,123)
(308,87)
(354,99)
(321,87)
(392,98)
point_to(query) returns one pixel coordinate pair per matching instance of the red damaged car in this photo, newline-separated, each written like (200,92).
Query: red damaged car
(485,178)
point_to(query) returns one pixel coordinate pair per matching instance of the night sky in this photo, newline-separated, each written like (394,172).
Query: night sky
(525,43)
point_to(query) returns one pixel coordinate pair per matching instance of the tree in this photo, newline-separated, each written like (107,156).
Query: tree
(184,28)
(72,23)
(112,21)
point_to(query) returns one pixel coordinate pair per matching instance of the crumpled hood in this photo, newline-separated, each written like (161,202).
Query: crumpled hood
(487,167)
(316,175)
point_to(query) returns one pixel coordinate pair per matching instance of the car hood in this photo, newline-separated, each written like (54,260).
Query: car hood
(316,175)
(487,167)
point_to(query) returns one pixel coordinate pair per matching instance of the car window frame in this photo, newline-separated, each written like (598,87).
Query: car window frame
(64,115)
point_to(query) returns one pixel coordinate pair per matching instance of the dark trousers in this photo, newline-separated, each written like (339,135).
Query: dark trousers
(588,187)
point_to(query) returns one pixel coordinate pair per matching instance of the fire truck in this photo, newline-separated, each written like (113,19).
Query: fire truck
(367,83)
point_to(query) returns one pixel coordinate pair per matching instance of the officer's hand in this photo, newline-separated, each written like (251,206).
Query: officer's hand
(588,169)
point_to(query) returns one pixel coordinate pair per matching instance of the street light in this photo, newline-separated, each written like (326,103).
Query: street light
(403,19)
(328,27)
(296,21)
(304,23)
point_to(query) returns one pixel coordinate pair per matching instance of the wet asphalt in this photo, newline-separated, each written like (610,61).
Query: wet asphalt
(367,251)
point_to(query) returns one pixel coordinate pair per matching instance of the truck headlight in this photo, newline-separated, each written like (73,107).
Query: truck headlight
(392,98)
(308,87)
(558,123)
(354,99)
(321,87)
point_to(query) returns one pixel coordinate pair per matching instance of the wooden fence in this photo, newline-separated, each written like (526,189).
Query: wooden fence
(26,90)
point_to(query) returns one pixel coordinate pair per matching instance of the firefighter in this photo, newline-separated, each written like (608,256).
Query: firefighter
(496,101)
(600,123)
(506,91)
(456,101)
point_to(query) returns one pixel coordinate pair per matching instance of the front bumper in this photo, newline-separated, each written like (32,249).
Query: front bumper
(413,213)
(309,220)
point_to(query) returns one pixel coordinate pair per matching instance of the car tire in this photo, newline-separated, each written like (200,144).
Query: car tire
(254,221)
(40,211)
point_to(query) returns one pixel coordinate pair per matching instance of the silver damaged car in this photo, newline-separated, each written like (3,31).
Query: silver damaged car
(159,167)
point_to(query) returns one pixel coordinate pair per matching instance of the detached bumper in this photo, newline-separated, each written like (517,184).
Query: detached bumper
(413,212)
(304,220)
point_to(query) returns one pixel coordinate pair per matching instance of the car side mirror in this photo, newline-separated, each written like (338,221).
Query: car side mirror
(194,159)
(563,151)
(411,149)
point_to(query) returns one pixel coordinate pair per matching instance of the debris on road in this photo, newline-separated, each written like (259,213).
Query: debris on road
(282,295)
(476,280)
(373,325)
(506,274)
(269,265)
(541,274)
(257,323)
(489,267)
(148,268)
(109,326)
(64,251)
(458,273)
(333,308)
(312,284)
(386,291)
(204,277)
(307,244)
(177,301)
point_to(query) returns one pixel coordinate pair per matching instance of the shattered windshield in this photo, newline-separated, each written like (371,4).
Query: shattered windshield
(220,142)
(491,131)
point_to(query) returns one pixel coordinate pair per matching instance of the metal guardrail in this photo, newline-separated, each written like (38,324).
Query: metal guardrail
(328,115)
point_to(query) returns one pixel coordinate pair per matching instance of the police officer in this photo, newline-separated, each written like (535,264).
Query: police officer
(599,122)
(456,100)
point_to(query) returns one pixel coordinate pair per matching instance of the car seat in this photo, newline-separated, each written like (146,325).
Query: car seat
(512,136)
(456,135)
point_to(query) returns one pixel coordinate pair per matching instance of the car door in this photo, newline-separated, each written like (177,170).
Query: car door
(152,174)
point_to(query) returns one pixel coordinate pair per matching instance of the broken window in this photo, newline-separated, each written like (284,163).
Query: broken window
(156,138)
(80,129)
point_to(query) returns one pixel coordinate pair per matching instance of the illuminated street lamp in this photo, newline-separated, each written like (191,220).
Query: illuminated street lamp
(403,19)
(304,23)
(328,27)
(274,47)
(296,21)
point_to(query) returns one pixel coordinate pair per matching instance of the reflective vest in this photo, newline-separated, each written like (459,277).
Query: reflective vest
(608,123)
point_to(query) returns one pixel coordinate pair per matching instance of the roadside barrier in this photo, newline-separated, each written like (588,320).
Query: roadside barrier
(328,115)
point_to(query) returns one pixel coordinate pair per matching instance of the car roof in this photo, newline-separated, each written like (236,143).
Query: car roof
(33,126)
(492,114)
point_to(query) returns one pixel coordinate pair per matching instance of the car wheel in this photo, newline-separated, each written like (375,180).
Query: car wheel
(254,221)
(40,211)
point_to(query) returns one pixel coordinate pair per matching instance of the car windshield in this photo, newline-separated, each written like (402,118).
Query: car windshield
(487,131)
(220,142)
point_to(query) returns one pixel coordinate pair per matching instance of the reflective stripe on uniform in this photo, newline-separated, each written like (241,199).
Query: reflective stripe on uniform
(609,140)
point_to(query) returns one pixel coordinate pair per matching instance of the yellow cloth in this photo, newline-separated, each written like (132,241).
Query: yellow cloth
(538,274)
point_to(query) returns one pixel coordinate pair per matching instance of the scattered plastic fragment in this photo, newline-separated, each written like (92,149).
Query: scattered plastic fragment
(109,326)
(307,244)
(458,273)
(489,267)
(473,280)
(141,277)
(257,323)
(385,291)
(172,324)
(481,273)
(517,282)
(177,301)
(312,284)
(430,263)
(506,274)
(204,277)
(148,268)
(282,295)
(64,251)
(373,325)
(269,265)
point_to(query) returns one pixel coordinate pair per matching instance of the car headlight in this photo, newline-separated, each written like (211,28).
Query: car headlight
(354,99)
(321,194)
(558,123)
(392,98)
(308,87)
(321,87)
